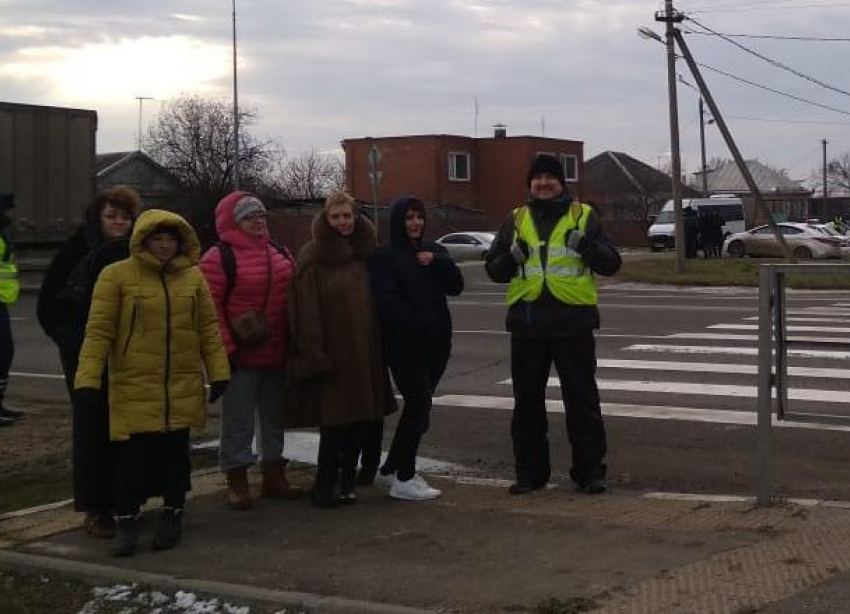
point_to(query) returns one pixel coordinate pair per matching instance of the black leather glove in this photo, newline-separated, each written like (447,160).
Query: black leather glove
(520,251)
(217,389)
(87,398)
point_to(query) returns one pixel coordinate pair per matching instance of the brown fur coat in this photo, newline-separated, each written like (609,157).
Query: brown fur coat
(336,372)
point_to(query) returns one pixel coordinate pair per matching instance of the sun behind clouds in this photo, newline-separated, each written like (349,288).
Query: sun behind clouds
(117,70)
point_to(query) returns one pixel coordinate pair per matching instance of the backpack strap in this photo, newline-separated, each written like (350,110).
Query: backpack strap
(228,263)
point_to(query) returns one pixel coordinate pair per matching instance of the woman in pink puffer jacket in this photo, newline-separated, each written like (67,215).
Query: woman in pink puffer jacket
(261,285)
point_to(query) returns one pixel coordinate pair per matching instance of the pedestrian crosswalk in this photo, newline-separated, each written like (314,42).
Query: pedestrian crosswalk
(710,375)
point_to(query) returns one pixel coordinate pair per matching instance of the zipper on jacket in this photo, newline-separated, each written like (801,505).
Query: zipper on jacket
(167,349)
(132,327)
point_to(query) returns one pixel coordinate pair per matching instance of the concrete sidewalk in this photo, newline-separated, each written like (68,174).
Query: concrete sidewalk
(476,549)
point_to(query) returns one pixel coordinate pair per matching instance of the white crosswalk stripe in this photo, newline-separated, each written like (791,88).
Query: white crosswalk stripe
(723,390)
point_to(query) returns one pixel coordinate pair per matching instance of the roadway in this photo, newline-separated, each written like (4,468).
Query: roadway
(677,375)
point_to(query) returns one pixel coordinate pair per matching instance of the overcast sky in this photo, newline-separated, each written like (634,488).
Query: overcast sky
(318,71)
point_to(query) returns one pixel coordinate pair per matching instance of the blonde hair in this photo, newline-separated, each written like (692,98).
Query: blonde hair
(335,199)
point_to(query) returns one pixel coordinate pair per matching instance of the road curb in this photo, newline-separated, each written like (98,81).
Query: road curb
(310,602)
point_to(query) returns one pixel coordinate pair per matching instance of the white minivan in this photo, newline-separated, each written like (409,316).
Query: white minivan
(661,233)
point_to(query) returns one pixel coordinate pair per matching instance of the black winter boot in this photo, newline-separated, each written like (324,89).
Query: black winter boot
(169,528)
(324,491)
(126,535)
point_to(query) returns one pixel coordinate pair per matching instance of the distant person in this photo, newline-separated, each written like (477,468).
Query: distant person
(691,228)
(250,279)
(717,234)
(411,278)
(62,310)
(153,324)
(338,378)
(548,251)
(10,287)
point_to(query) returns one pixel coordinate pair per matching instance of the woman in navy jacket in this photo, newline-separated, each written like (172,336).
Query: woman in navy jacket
(411,278)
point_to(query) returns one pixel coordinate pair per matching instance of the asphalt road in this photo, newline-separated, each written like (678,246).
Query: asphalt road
(677,374)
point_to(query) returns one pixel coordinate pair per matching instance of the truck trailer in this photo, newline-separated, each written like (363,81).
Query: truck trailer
(47,160)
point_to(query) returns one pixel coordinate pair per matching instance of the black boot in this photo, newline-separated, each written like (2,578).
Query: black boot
(348,470)
(324,491)
(126,535)
(169,528)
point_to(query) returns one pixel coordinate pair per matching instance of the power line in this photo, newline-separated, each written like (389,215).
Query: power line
(775,37)
(775,91)
(770,8)
(773,62)
(788,121)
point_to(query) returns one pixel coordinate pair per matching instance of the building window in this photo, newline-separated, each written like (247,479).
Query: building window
(459,164)
(570,164)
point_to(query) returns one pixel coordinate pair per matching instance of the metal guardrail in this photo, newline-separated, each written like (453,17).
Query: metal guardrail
(773,357)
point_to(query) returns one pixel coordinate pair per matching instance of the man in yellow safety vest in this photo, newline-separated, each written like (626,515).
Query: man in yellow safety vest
(548,251)
(9,289)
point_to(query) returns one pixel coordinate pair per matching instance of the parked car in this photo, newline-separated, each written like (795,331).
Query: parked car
(467,245)
(803,240)
(830,231)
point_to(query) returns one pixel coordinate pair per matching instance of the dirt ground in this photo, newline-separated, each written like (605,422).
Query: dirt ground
(35,453)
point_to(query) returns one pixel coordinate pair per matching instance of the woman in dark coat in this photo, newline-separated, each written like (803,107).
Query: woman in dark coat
(338,378)
(411,278)
(63,306)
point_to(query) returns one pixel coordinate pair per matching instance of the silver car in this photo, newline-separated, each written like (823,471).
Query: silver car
(804,241)
(467,245)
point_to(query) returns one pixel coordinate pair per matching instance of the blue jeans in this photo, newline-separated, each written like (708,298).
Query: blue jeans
(253,396)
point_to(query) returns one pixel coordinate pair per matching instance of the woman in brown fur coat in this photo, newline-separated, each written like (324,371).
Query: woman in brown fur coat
(336,370)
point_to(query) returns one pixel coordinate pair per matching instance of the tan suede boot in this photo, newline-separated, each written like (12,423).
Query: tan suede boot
(275,484)
(238,494)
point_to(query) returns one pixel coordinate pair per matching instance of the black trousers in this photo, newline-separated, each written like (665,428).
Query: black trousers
(416,382)
(147,458)
(575,363)
(371,436)
(7,349)
(339,448)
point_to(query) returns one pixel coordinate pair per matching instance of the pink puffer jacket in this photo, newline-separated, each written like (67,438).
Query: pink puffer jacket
(249,289)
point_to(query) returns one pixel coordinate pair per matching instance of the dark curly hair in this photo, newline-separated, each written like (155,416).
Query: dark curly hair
(121,197)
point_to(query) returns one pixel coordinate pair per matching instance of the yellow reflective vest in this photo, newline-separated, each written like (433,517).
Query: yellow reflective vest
(10,285)
(565,275)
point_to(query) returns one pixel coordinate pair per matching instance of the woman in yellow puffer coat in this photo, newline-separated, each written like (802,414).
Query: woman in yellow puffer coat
(153,322)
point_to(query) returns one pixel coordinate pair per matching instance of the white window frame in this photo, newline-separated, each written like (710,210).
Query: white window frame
(451,160)
(564,158)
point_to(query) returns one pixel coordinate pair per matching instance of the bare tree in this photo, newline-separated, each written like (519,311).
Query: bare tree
(838,173)
(193,138)
(311,175)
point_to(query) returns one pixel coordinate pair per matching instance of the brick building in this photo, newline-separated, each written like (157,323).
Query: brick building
(486,174)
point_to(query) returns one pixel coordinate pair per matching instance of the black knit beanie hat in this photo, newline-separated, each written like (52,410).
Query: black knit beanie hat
(545,163)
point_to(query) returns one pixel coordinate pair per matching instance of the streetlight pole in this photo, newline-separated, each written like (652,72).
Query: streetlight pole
(139,139)
(235,109)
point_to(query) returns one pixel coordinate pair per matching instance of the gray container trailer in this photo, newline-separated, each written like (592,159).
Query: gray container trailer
(47,160)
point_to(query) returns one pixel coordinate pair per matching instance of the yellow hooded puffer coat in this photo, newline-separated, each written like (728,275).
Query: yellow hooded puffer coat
(154,326)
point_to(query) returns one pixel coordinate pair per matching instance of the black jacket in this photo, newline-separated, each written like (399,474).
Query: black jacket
(547,316)
(65,294)
(411,298)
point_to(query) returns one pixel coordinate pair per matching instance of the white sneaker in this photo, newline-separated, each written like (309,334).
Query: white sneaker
(414,489)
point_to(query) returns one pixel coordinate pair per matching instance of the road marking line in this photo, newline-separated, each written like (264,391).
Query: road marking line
(798,329)
(800,319)
(37,375)
(733,351)
(731,337)
(714,390)
(652,412)
(713,367)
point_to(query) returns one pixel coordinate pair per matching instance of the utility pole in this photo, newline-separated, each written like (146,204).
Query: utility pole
(235,109)
(139,140)
(671,17)
(702,148)
(375,175)
(825,191)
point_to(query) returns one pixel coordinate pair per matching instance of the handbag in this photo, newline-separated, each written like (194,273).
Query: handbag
(251,329)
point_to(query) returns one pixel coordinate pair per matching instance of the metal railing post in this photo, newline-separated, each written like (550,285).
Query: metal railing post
(765,381)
